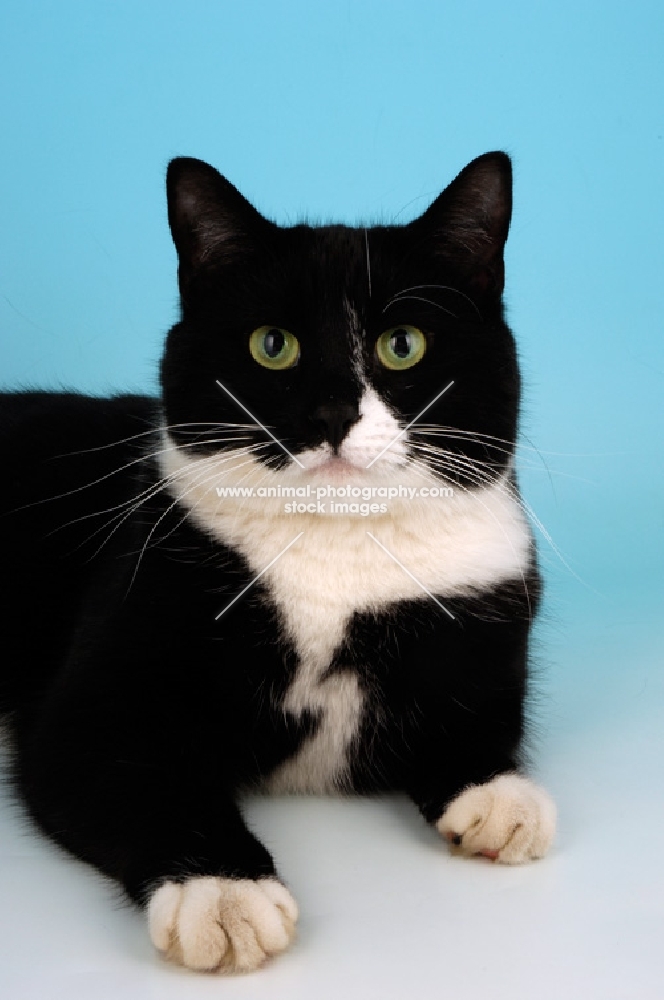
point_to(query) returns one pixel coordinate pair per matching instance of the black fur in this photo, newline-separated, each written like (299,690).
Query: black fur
(136,716)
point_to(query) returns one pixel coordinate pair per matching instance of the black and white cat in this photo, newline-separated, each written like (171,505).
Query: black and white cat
(378,646)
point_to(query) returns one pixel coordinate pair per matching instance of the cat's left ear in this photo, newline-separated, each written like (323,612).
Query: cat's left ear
(468,223)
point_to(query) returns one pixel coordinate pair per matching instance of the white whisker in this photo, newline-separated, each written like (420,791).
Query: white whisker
(420,298)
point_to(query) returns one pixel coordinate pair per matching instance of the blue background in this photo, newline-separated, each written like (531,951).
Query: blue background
(365,111)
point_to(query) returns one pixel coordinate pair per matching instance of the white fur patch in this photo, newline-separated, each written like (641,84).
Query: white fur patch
(320,765)
(456,545)
(356,344)
(508,819)
(222,924)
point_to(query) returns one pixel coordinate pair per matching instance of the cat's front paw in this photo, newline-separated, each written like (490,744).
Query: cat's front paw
(508,819)
(222,924)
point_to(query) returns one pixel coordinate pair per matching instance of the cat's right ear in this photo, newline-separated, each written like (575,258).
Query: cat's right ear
(209,218)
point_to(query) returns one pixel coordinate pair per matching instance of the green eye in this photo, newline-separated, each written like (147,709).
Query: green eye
(401,347)
(274,348)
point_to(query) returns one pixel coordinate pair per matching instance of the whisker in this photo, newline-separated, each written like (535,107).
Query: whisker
(134,503)
(182,427)
(419,298)
(475,496)
(201,478)
(146,457)
(445,288)
(442,428)
(466,467)
(432,430)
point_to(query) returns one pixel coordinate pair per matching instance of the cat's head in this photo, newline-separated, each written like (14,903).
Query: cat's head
(308,350)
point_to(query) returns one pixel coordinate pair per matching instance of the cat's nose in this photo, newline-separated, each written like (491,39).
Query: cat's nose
(336,419)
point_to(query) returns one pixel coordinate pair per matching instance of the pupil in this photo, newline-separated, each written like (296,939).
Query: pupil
(400,342)
(273,344)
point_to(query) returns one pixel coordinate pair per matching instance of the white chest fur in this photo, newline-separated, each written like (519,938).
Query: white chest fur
(462,544)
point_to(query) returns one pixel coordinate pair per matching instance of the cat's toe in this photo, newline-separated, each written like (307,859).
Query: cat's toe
(222,924)
(508,819)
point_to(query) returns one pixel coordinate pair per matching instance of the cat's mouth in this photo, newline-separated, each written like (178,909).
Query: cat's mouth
(335,467)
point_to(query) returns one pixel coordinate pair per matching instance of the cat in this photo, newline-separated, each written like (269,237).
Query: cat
(171,645)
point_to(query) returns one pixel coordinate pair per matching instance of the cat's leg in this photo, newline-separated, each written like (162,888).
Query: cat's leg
(213,898)
(225,909)
(135,782)
(467,776)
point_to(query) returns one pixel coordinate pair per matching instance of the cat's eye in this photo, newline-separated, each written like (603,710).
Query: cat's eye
(401,347)
(274,348)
